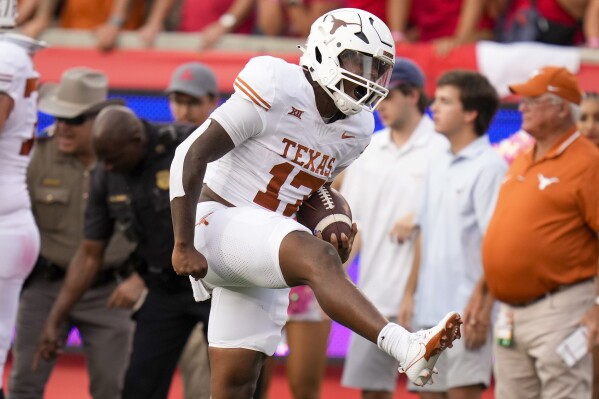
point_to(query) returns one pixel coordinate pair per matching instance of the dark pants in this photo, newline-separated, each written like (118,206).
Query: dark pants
(164,323)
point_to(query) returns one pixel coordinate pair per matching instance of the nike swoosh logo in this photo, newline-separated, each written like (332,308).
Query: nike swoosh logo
(347,136)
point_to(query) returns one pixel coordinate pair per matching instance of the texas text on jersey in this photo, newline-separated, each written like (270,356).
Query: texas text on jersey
(292,152)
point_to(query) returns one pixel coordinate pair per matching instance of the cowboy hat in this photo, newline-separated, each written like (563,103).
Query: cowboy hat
(80,91)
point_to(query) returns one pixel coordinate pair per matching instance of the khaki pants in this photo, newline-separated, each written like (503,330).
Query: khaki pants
(106,335)
(531,368)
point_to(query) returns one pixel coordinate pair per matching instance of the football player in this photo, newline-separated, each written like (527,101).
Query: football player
(286,131)
(19,237)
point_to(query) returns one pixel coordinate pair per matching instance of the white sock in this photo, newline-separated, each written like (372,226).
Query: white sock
(394,340)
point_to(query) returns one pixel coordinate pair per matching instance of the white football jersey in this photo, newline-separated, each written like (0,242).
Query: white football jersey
(295,152)
(19,80)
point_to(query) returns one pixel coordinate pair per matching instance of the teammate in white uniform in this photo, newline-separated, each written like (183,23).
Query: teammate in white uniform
(19,237)
(285,132)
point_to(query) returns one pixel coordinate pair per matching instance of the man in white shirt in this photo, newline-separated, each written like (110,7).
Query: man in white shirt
(384,189)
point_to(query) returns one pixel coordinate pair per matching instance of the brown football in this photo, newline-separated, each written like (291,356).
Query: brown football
(326,211)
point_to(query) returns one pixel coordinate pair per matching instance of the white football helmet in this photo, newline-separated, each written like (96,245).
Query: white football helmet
(350,47)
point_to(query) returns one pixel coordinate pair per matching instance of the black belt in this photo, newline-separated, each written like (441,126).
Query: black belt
(52,272)
(549,293)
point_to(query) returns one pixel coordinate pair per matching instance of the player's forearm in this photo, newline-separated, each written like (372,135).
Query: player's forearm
(191,166)
(183,211)
(80,275)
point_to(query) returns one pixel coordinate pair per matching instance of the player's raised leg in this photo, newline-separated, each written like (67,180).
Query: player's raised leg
(305,259)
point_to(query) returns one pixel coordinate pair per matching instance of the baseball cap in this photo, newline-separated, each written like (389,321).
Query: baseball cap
(553,80)
(193,79)
(406,71)
(81,90)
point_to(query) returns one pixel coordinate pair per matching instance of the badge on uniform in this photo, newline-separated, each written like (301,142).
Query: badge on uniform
(504,327)
(162,179)
(51,182)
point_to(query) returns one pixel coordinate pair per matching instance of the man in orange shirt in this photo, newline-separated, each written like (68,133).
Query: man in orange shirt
(540,253)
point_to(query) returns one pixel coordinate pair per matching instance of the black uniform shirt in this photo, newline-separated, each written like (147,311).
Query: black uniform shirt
(138,202)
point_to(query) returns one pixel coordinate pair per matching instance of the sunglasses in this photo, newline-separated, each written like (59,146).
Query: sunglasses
(76,121)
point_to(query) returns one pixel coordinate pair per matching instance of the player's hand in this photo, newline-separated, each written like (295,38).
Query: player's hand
(107,35)
(591,321)
(49,346)
(406,311)
(128,293)
(187,261)
(403,229)
(344,243)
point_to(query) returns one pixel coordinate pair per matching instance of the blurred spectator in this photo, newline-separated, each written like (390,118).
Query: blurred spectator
(396,162)
(19,236)
(291,17)
(393,12)
(591,24)
(510,147)
(307,333)
(459,199)
(193,95)
(540,252)
(588,125)
(58,181)
(129,191)
(447,23)
(214,18)
(547,21)
(107,17)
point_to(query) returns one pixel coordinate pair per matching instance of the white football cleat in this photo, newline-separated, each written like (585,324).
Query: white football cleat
(426,346)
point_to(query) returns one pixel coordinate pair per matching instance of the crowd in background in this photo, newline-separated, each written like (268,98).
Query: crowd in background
(446,24)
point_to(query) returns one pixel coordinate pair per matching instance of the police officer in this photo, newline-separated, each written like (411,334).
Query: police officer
(131,187)
(58,181)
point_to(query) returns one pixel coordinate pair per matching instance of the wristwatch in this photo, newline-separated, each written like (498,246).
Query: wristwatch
(227,20)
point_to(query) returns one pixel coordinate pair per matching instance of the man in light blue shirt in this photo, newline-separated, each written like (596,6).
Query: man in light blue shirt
(459,199)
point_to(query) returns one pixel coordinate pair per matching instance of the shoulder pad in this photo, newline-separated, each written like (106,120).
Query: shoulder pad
(257,81)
